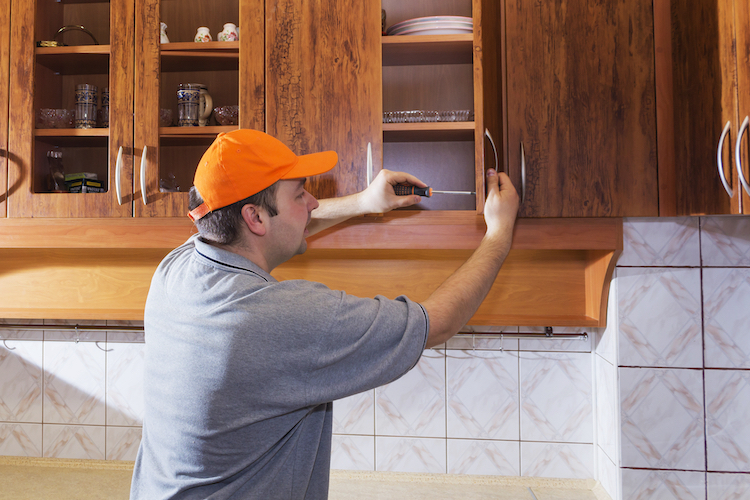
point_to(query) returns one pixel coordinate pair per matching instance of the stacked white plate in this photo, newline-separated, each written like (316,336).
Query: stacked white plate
(436,25)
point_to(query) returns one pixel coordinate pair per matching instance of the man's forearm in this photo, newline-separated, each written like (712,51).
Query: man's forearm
(332,211)
(456,300)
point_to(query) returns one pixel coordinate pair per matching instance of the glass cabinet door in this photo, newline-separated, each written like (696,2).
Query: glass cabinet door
(70,145)
(209,48)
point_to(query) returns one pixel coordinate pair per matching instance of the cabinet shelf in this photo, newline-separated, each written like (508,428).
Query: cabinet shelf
(427,132)
(71,132)
(75,60)
(427,49)
(193,56)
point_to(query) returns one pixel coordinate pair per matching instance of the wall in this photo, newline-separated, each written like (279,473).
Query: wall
(490,406)
(672,367)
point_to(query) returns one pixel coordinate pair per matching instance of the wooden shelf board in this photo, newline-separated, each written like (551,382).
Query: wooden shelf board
(557,273)
(396,230)
(427,50)
(71,132)
(192,56)
(75,60)
(428,131)
(193,132)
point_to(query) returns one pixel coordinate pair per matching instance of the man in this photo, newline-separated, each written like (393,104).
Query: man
(241,369)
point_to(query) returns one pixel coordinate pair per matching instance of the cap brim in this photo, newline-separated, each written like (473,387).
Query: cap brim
(313,164)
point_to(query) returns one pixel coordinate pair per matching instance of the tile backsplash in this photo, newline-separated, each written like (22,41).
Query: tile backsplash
(653,405)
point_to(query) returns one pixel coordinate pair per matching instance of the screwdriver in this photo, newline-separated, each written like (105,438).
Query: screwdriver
(403,190)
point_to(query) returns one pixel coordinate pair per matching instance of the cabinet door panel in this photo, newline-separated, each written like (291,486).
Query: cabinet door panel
(581,101)
(4,67)
(742,19)
(324,84)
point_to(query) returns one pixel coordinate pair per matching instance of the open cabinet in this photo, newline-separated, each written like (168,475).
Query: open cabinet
(440,97)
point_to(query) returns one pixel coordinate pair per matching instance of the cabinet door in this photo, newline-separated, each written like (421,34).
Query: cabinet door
(742,18)
(323,60)
(580,101)
(232,72)
(700,114)
(4,67)
(46,78)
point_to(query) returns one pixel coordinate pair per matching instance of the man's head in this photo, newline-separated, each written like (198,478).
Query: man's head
(242,167)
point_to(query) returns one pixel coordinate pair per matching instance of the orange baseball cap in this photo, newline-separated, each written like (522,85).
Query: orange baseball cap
(244,162)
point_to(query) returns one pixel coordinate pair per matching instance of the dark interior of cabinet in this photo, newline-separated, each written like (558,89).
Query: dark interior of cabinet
(178,158)
(444,166)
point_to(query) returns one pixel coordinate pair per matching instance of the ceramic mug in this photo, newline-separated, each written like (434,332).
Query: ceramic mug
(188,101)
(194,114)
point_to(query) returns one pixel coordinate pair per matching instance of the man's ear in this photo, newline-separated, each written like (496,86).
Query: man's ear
(255,218)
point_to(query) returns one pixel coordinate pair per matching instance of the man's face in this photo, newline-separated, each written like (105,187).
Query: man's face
(289,227)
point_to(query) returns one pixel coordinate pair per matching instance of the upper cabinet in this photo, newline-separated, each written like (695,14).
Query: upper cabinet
(441,84)
(581,117)
(143,163)
(703,77)
(4,68)
(44,82)
(227,73)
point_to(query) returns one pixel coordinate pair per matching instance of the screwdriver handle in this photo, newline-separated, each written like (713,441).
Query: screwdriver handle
(403,190)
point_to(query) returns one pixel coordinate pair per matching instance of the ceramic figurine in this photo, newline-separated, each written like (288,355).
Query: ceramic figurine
(163,33)
(229,34)
(203,35)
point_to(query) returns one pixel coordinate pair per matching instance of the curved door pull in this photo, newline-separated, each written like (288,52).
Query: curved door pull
(738,154)
(118,171)
(369,163)
(523,174)
(494,149)
(143,176)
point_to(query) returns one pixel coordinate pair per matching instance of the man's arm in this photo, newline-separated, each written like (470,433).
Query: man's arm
(457,299)
(379,197)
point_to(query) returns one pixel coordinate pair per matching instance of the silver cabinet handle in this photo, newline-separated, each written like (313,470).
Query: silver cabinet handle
(494,149)
(720,160)
(143,176)
(523,174)
(738,154)
(118,171)
(369,163)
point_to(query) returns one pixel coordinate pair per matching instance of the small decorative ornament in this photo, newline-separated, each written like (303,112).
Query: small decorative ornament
(203,35)
(229,34)
(163,33)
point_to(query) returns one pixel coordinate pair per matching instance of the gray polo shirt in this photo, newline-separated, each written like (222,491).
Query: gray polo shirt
(241,370)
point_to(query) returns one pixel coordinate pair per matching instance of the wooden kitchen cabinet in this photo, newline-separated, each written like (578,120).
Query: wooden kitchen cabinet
(232,71)
(46,77)
(142,76)
(338,102)
(4,92)
(581,118)
(703,81)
